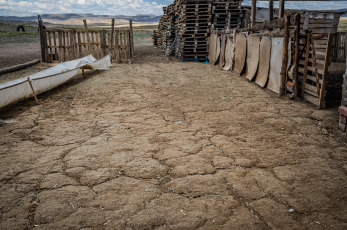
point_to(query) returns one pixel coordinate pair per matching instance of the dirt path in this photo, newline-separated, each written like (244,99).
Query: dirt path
(18,53)
(158,145)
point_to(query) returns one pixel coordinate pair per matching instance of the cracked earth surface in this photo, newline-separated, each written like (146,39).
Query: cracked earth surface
(170,145)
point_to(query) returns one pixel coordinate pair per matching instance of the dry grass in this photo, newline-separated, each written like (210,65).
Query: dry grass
(343,25)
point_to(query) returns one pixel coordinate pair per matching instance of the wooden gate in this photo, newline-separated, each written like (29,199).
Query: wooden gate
(60,45)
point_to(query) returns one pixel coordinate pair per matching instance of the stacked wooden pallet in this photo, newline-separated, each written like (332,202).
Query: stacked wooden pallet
(194,25)
(156,38)
(170,26)
(162,29)
(224,11)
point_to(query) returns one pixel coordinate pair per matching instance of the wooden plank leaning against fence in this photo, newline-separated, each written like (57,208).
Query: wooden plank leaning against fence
(60,45)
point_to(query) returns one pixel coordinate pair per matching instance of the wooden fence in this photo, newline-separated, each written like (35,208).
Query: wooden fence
(60,45)
(339,48)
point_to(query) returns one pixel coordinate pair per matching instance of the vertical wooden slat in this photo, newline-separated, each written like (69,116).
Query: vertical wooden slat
(68,46)
(42,43)
(55,47)
(87,34)
(79,44)
(125,48)
(97,34)
(307,58)
(297,54)
(254,12)
(117,47)
(325,72)
(84,43)
(111,39)
(121,46)
(281,13)
(103,43)
(50,47)
(64,45)
(131,38)
(271,10)
(108,44)
(61,46)
(285,55)
(72,44)
(92,43)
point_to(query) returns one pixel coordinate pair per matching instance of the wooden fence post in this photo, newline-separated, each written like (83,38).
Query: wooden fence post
(271,10)
(281,12)
(88,37)
(111,46)
(103,42)
(254,12)
(285,55)
(42,42)
(131,39)
(297,54)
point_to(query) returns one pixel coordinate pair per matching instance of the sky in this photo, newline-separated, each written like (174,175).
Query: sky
(125,7)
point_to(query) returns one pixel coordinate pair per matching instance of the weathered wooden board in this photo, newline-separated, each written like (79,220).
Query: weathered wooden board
(240,52)
(212,48)
(252,60)
(264,61)
(275,64)
(222,51)
(229,53)
(218,50)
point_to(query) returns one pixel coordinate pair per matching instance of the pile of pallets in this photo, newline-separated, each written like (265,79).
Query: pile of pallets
(224,11)
(194,25)
(170,26)
(156,38)
(162,29)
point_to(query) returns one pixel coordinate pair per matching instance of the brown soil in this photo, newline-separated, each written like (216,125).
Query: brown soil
(18,53)
(170,145)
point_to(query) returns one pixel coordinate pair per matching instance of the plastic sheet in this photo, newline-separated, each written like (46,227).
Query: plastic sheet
(47,79)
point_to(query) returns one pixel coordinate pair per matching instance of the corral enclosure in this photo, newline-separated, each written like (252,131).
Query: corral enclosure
(161,144)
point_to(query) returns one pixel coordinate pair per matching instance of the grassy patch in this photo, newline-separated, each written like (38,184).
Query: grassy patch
(342,25)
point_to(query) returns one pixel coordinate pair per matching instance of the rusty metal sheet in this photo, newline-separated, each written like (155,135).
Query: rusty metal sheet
(222,51)
(252,60)
(264,61)
(240,52)
(229,53)
(212,48)
(275,64)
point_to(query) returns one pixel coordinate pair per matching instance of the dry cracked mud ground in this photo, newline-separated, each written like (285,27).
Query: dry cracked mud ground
(170,145)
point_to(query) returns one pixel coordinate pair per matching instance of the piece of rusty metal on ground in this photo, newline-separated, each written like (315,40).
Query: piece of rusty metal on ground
(252,60)
(229,53)
(240,52)
(264,61)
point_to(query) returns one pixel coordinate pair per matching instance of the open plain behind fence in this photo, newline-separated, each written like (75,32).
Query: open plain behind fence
(339,49)
(60,45)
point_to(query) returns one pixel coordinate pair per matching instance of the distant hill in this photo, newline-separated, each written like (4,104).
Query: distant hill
(72,19)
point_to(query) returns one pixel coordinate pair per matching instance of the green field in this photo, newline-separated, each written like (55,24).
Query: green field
(9,34)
